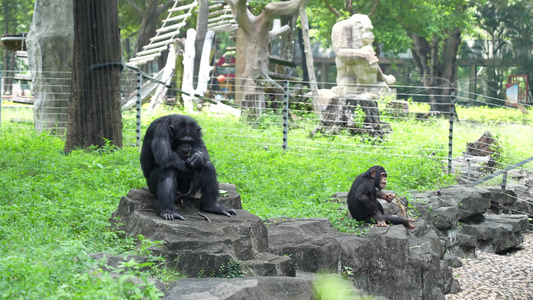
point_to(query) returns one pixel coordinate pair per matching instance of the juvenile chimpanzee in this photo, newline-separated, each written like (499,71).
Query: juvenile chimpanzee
(175,163)
(363,203)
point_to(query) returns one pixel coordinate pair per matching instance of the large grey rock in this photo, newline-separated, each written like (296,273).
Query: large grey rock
(311,243)
(195,245)
(497,233)
(271,288)
(50,42)
(517,198)
(469,201)
(391,262)
(464,222)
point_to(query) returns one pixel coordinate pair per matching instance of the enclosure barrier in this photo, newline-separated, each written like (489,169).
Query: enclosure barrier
(285,114)
(285,111)
(450,143)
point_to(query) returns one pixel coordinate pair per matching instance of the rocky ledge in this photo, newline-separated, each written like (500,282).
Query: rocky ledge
(280,256)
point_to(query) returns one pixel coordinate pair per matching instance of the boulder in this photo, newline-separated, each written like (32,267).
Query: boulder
(486,145)
(391,262)
(462,216)
(517,198)
(497,233)
(397,108)
(240,288)
(200,245)
(310,243)
(467,201)
(471,168)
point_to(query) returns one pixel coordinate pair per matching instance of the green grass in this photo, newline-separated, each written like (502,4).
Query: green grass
(54,208)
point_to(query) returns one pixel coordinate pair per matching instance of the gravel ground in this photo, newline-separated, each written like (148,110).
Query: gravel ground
(493,276)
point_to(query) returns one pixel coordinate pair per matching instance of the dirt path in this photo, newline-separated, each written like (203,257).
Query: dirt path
(493,276)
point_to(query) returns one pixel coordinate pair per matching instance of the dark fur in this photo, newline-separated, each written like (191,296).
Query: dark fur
(169,174)
(362,199)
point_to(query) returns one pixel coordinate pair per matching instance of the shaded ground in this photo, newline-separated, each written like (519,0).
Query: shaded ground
(494,276)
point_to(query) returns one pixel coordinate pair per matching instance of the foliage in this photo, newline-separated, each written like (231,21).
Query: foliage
(506,29)
(54,209)
(331,286)
(66,272)
(230,270)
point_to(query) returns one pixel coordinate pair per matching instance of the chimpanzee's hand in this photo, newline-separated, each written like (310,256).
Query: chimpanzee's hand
(196,160)
(388,197)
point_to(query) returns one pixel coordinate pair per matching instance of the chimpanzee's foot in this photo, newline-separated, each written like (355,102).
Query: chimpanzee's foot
(170,215)
(220,210)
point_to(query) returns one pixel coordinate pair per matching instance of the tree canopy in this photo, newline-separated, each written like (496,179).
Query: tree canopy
(431,29)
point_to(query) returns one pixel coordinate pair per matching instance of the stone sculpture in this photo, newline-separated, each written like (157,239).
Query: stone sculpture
(357,64)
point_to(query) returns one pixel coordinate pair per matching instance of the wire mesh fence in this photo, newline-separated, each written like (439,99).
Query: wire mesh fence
(392,124)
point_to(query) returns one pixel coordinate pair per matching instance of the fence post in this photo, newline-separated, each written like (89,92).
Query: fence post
(285,114)
(502,192)
(139,104)
(450,138)
(469,168)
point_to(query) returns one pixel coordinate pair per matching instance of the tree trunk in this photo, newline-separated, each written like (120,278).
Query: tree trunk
(251,53)
(252,44)
(341,114)
(94,108)
(309,59)
(50,42)
(437,67)
(150,22)
(201,30)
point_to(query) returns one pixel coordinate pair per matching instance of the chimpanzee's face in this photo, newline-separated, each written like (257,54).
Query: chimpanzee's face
(383,180)
(184,149)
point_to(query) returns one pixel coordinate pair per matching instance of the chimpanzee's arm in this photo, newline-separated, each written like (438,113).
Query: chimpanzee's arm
(387,196)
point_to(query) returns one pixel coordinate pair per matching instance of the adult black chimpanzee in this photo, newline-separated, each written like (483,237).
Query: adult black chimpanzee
(363,203)
(175,163)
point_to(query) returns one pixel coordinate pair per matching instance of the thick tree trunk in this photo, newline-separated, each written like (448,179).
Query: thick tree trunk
(50,42)
(252,45)
(251,53)
(94,108)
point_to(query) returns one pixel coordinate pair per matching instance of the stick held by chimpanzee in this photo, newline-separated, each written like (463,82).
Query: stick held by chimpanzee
(362,199)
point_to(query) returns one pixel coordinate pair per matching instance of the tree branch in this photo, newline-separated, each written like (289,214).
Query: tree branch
(332,9)
(164,7)
(135,6)
(349,6)
(374,8)
(242,15)
(274,9)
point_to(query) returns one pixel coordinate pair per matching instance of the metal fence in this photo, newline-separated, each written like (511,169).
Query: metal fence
(285,119)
